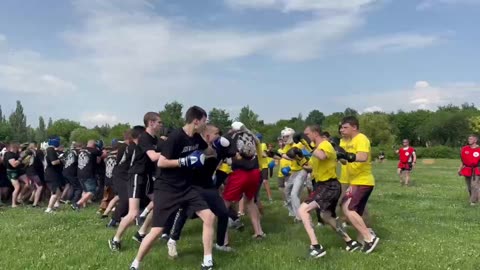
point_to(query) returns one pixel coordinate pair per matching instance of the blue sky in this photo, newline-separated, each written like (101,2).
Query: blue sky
(101,61)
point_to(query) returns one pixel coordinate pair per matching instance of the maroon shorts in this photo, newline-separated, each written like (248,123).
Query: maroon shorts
(241,182)
(359,196)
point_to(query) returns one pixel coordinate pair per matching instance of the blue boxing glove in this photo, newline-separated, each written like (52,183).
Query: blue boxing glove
(286,171)
(194,160)
(221,143)
(271,165)
(306,153)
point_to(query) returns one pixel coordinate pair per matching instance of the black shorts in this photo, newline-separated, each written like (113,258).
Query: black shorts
(265,174)
(167,203)
(137,186)
(221,177)
(326,195)
(359,197)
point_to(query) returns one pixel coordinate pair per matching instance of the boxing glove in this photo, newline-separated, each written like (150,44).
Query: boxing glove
(306,153)
(194,160)
(271,165)
(220,143)
(342,154)
(295,153)
(286,171)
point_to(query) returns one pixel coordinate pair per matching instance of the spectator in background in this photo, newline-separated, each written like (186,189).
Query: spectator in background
(470,155)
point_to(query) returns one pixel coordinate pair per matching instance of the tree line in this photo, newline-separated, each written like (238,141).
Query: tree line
(447,126)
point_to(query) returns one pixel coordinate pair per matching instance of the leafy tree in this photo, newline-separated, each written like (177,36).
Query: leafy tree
(220,118)
(6,133)
(377,128)
(50,123)
(350,112)
(82,135)
(117,132)
(172,115)
(62,128)
(315,117)
(103,130)
(249,118)
(41,132)
(333,119)
(475,124)
(18,123)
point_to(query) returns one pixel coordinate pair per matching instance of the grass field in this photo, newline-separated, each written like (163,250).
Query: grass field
(427,226)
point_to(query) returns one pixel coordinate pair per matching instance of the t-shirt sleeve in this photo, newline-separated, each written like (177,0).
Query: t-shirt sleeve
(52,155)
(145,144)
(120,152)
(202,144)
(363,145)
(160,144)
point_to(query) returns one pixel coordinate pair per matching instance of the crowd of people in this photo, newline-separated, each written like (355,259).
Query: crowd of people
(159,182)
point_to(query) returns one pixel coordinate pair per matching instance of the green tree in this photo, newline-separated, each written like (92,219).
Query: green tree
(62,128)
(408,125)
(315,117)
(2,117)
(350,112)
(446,127)
(220,118)
(18,123)
(333,119)
(41,132)
(172,115)
(82,135)
(249,118)
(6,133)
(117,132)
(103,130)
(377,128)
(50,123)
(475,124)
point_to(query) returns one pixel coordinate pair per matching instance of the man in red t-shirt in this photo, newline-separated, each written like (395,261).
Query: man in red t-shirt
(407,160)
(470,155)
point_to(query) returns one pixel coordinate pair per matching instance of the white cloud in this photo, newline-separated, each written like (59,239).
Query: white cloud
(93,119)
(422,95)
(394,42)
(301,5)
(373,109)
(426,4)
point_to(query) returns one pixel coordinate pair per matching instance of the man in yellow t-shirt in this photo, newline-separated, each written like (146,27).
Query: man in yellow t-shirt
(357,153)
(263,163)
(327,190)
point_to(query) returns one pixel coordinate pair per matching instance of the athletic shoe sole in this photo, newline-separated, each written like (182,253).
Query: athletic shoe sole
(374,245)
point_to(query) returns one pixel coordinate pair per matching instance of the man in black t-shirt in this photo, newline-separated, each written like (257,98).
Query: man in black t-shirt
(53,172)
(70,168)
(34,169)
(88,160)
(182,154)
(12,162)
(140,174)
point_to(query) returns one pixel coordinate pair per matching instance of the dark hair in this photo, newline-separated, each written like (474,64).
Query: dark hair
(351,120)
(474,136)
(150,116)
(194,113)
(325,134)
(127,134)
(136,131)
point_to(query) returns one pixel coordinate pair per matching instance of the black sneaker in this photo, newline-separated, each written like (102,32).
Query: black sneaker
(114,245)
(133,268)
(207,267)
(317,252)
(75,207)
(368,247)
(138,237)
(352,245)
(139,221)
(103,216)
(112,224)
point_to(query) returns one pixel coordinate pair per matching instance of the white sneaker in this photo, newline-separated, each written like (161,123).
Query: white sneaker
(49,210)
(224,248)
(172,249)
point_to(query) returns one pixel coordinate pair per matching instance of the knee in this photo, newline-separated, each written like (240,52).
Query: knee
(209,218)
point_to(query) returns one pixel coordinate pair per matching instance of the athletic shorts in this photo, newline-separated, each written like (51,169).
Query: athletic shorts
(89,184)
(326,195)
(265,174)
(12,175)
(359,196)
(167,203)
(405,166)
(53,186)
(270,172)
(137,186)
(242,182)
(221,177)
(25,179)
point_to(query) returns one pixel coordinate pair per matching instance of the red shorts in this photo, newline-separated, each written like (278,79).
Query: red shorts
(405,166)
(241,182)
(469,171)
(359,196)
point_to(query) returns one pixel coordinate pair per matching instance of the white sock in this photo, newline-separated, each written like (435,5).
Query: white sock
(145,212)
(171,241)
(135,263)
(116,239)
(207,260)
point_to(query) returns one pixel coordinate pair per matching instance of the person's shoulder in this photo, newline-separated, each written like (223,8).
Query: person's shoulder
(361,138)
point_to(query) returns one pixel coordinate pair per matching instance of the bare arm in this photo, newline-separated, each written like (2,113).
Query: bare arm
(361,157)
(163,162)
(154,156)
(319,154)
(13,162)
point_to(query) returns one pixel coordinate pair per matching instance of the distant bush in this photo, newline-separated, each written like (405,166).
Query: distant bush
(422,152)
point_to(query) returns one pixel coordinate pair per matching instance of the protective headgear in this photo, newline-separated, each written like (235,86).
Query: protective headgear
(99,144)
(287,135)
(55,142)
(237,126)
(259,136)
(114,142)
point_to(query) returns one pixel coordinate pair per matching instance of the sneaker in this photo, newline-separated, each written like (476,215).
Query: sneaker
(139,221)
(207,267)
(49,211)
(112,224)
(103,216)
(133,268)
(352,245)
(317,252)
(172,249)
(368,247)
(165,237)
(138,237)
(237,224)
(224,248)
(75,207)
(100,211)
(259,236)
(114,245)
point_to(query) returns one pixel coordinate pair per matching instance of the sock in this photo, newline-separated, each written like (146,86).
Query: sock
(317,246)
(135,263)
(207,260)
(144,213)
(116,239)
(171,241)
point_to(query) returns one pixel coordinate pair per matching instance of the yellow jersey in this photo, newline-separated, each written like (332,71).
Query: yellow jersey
(294,166)
(323,170)
(224,167)
(282,163)
(360,173)
(264,163)
(343,168)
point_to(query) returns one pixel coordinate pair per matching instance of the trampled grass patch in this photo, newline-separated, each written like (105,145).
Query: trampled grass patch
(427,226)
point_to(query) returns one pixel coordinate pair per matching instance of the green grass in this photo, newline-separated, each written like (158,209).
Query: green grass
(427,226)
